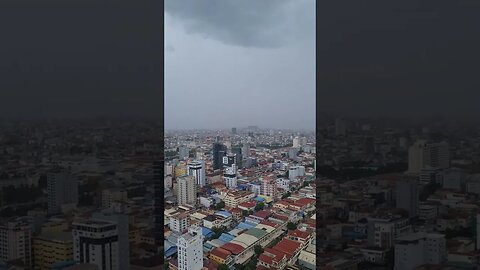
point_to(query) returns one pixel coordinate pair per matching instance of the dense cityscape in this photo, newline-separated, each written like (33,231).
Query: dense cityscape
(240,199)
(397,194)
(78,194)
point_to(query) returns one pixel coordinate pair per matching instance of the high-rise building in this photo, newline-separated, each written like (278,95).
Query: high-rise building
(296,142)
(234,130)
(96,242)
(190,249)
(428,155)
(230,171)
(269,186)
(112,196)
(246,150)
(417,249)
(15,241)
(196,169)
(219,151)
(183,152)
(62,188)
(121,220)
(239,156)
(406,193)
(296,171)
(186,191)
(51,248)
(157,170)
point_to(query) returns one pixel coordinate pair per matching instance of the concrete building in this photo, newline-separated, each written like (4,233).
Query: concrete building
(416,249)
(190,249)
(51,248)
(196,169)
(112,196)
(382,231)
(406,195)
(62,188)
(178,223)
(428,155)
(121,220)
(186,191)
(96,242)
(15,242)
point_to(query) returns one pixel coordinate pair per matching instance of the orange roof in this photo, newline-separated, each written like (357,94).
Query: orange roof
(221,253)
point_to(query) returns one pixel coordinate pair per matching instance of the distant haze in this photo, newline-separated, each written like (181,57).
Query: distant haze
(232,63)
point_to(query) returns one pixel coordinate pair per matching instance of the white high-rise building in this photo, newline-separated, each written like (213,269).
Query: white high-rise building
(96,242)
(230,170)
(423,155)
(190,249)
(62,188)
(16,242)
(416,249)
(186,191)
(196,169)
(121,220)
(296,142)
(246,150)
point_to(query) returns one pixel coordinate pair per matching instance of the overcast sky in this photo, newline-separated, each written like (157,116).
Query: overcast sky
(399,58)
(232,63)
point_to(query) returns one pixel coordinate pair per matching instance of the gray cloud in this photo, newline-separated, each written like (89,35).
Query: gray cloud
(249,23)
(240,63)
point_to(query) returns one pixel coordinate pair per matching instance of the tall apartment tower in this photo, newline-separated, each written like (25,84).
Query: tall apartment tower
(62,188)
(16,242)
(196,169)
(121,220)
(190,249)
(96,242)
(406,193)
(423,155)
(186,191)
(219,151)
(230,170)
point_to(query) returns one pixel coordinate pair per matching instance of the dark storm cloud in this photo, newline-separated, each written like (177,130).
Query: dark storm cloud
(399,57)
(240,63)
(249,23)
(80,58)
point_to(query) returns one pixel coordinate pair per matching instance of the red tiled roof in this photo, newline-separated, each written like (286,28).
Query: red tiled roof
(299,234)
(269,223)
(287,246)
(249,204)
(305,201)
(221,253)
(233,248)
(263,214)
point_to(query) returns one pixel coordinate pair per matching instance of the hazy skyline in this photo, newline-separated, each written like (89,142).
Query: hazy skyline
(238,63)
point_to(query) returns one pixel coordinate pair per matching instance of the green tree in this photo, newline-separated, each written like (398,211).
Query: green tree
(259,206)
(217,231)
(258,250)
(286,195)
(245,213)
(220,205)
(223,267)
(291,226)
